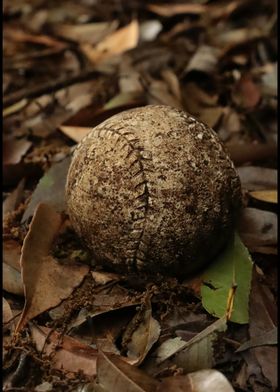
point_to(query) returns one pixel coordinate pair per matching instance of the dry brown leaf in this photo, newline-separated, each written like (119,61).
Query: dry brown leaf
(12,282)
(246,93)
(205,59)
(116,43)
(173,83)
(14,150)
(12,201)
(71,356)
(7,314)
(41,273)
(257,178)
(144,337)
(175,9)
(201,381)
(90,33)
(249,152)
(16,107)
(258,228)
(75,133)
(113,374)
(266,196)
(11,254)
(104,277)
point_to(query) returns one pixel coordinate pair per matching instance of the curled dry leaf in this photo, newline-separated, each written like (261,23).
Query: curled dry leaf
(201,381)
(175,9)
(113,374)
(144,337)
(41,273)
(118,42)
(72,355)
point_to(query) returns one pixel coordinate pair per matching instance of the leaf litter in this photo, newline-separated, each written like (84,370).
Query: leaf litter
(68,67)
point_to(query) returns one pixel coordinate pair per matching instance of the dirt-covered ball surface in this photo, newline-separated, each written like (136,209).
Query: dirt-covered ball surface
(153,189)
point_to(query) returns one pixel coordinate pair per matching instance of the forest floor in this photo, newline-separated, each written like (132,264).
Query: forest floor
(68,324)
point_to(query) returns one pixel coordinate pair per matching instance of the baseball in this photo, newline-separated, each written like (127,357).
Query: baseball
(152,189)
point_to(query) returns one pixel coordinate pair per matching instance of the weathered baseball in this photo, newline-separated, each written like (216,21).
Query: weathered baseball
(153,189)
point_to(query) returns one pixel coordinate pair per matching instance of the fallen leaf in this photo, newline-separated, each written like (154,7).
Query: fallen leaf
(11,254)
(248,152)
(41,273)
(16,107)
(196,354)
(7,314)
(75,133)
(67,353)
(170,10)
(257,178)
(265,339)
(205,59)
(113,374)
(14,150)
(90,33)
(12,282)
(200,381)
(246,93)
(258,228)
(116,43)
(12,201)
(125,98)
(262,319)
(227,282)
(50,189)
(266,196)
(143,337)
(104,277)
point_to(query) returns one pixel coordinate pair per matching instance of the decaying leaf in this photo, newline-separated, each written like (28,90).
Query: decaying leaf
(196,354)
(258,228)
(118,42)
(41,273)
(227,282)
(113,374)
(266,196)
(200,381)
(50,189)
(13,200)
(75,133)
(257,178)
(67,353)
(143,337)
(265,339)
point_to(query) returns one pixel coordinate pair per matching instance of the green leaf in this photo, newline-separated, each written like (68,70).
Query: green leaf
(227,281)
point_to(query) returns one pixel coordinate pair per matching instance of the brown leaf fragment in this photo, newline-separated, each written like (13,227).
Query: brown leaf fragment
(258,228)
(205,59)
(257,178)
(7,314)
(12,201)
(14,150)
(71,355)
(144,337)
(41,273)
(12,282)
(116,43)
(249,152)
(246,93)
(75,133)
(104,277)
(265,339)
(266,196)
(11,254)
(201,381)
(113,374)
(90,33)
(262,310)
(50,189)
(175,9)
